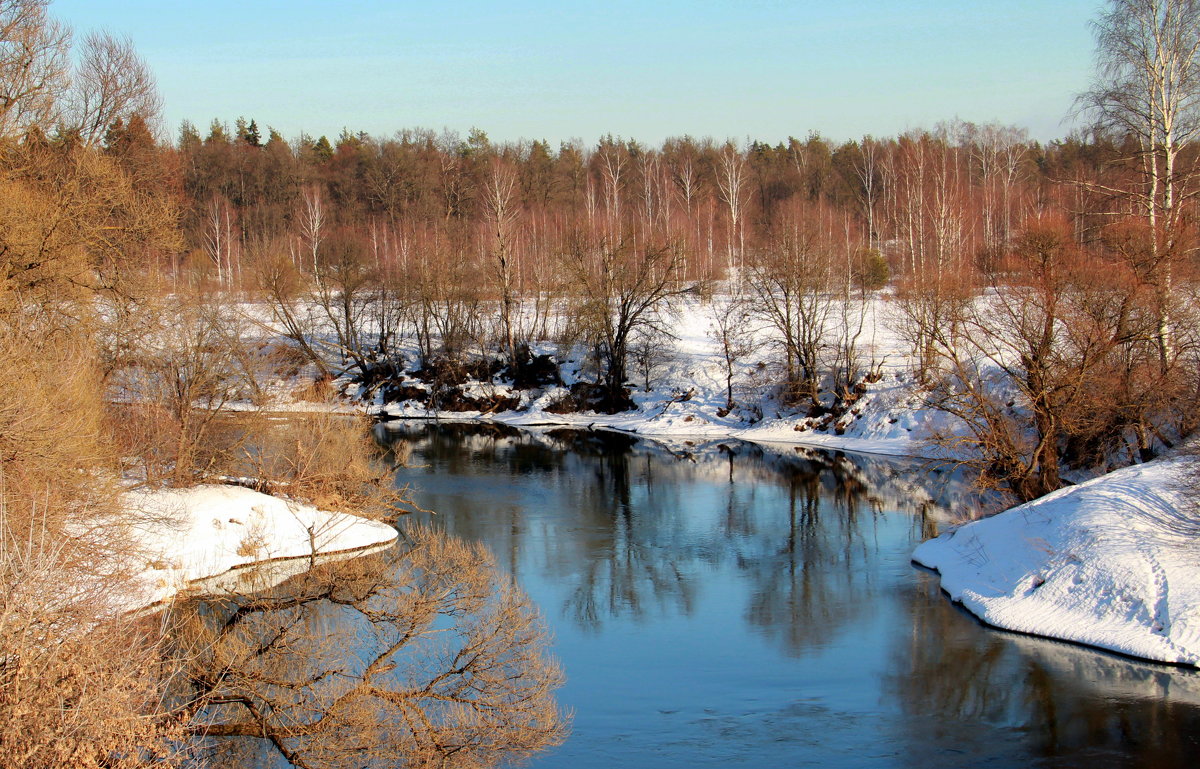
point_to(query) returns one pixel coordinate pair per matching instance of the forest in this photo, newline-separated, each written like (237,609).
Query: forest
(150,278)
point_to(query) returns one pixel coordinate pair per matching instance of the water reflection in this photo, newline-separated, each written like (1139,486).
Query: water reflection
(422,655)
(639,526)
(1077,706)
(727,604)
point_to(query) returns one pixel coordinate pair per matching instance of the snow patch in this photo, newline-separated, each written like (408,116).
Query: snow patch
(205,531)
(1112,563)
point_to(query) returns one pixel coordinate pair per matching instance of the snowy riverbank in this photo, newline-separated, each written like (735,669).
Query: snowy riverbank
(207,531)
(688,394)
(1111,563)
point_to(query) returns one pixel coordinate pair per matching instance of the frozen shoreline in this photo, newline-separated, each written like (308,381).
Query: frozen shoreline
(197,534)
(1111,563)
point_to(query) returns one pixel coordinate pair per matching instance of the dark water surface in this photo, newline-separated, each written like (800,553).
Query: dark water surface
(728,605)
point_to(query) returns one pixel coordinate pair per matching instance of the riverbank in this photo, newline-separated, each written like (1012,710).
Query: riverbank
(194,534)
(1113,563)
(688,394)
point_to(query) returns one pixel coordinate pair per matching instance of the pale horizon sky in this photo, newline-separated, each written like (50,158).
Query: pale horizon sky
(758,69)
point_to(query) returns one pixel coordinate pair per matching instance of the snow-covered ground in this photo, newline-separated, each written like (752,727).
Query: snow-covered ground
(209,531)
(688,395)
(1113,563)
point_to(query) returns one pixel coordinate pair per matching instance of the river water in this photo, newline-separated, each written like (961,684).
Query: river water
(729,605)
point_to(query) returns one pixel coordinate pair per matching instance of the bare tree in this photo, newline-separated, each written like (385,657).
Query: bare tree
(650,351)
(1017,339)
(791,281)
(998,153)
(184,366)
(1057,368)
(221,240)
(613,157)
(869,170)
(731,182)
(345,291)
(730,328)
(685,175)
(449,299)
(312,223)
(111,82)
(283,283)
(500,212)
(929,205)
(34,71)
(622,286)
(1148,88)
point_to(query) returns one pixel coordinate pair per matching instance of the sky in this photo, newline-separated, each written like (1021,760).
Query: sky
(649,70)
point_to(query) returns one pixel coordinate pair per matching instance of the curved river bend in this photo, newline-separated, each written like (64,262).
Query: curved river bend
(727,605)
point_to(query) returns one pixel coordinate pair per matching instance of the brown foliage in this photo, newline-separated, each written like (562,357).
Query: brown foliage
(77,687)
(327,460)
(33,65)
(1060,365)
(73,221)
(180,364)
(424,656)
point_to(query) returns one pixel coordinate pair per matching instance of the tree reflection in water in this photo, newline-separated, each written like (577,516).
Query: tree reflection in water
(951,675)
(864,656)
(423,655)
(797,524)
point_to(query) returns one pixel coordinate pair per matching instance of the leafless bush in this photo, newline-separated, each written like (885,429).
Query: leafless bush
(183,367)
(791,283)
(328,460)
(79,685)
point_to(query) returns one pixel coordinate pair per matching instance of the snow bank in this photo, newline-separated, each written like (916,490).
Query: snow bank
(1109,563)
(688,397)
(201,532)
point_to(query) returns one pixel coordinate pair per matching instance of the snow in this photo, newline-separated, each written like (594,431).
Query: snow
(1111,563)
(203,532)
(889,419)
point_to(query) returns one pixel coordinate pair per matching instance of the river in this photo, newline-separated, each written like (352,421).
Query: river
(725,604)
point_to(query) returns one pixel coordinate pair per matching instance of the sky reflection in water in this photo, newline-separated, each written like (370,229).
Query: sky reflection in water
(730,605)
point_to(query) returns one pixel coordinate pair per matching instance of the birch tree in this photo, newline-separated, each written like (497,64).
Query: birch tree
(500,212)
(731,182)
(1148,88)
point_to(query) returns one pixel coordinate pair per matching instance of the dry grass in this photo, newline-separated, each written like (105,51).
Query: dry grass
(77,687)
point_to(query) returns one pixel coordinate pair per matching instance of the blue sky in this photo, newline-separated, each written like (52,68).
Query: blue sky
(764,69)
